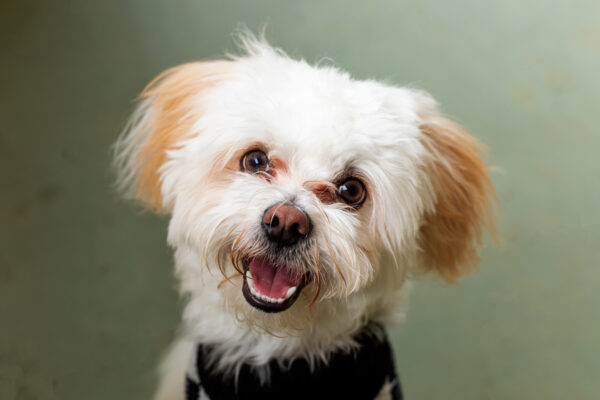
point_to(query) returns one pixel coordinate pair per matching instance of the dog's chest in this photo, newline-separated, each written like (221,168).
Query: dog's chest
(360,374)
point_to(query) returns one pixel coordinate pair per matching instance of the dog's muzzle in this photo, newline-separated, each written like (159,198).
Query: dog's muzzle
(270,284)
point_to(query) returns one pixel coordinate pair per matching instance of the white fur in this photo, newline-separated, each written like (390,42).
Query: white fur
(319,121)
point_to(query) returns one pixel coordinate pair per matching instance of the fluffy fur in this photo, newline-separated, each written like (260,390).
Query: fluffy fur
(428,195)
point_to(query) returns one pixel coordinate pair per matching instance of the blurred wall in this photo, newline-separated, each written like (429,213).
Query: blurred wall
(87,298)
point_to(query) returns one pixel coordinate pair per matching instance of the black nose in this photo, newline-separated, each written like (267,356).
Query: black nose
(285,224)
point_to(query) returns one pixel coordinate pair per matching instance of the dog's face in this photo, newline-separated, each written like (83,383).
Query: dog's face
(292,183)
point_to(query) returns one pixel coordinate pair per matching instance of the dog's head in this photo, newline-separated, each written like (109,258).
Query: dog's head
(295,182)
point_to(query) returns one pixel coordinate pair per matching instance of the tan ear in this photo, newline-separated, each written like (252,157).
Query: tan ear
(464,198)
(167,110)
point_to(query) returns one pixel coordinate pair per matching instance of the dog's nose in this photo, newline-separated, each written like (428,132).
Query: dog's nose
(286,224)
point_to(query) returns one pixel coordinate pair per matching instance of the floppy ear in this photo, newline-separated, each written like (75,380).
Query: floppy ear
(167,110)
(464,198)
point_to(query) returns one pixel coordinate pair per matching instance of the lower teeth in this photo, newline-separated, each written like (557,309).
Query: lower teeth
(264,297)
(261,296)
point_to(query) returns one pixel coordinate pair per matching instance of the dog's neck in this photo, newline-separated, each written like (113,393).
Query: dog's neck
(359,373)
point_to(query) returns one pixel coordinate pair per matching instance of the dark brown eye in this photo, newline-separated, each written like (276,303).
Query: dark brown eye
(255,161)
(352,192)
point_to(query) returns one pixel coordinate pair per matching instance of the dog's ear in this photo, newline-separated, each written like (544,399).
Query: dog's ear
(165,116)
(463,196)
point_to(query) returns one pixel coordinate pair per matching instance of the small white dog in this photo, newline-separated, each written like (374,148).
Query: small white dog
(300,203)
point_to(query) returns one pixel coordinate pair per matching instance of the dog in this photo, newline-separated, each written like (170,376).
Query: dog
(302,203)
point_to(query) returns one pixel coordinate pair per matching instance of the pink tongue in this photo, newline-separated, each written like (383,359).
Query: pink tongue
(270,280)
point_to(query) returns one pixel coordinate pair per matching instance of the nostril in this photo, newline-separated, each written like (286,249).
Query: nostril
(274,222)
(302,227)
(295,229)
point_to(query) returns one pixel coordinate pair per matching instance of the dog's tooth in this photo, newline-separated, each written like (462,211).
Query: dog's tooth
(290,292)
(249,275)
(270,299)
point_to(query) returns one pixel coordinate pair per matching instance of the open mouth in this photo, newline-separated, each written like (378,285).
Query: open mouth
(271,287)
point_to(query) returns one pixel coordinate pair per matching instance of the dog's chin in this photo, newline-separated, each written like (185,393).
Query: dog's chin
(271,287)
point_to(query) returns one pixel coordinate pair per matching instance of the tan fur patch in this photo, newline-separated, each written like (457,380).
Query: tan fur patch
(278,167)
(175,99)
(464,199)
(325,191)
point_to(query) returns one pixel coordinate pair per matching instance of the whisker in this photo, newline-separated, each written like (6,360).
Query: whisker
(227,279)
(318,291)
(334,240)
(337,267)
(221,222)
(323,213)
(333,259)
(221,250)
(242,253)
(234,251)
(220,246)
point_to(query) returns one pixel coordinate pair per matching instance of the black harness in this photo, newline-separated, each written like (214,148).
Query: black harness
(358,374)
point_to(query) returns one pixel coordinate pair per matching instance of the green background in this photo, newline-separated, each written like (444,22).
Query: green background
(87,297)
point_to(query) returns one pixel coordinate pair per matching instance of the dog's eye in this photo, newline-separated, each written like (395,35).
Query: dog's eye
(352,192)
(255,161)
